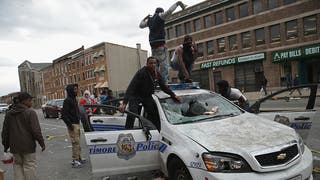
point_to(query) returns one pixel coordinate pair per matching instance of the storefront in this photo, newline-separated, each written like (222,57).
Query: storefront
(242,72)
(303,61)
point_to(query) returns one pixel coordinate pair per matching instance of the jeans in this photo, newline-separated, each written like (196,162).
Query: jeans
(24,167)
(75,141)
(161,54)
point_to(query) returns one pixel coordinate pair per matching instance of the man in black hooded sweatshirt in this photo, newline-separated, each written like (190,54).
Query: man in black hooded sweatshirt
(71,116)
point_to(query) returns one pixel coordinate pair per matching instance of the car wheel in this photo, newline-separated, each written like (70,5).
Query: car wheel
(45,114)
(178,171)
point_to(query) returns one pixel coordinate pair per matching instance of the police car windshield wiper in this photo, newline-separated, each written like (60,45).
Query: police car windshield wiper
(217,117)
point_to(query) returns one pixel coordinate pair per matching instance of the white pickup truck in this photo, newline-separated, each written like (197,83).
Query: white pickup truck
(204,137)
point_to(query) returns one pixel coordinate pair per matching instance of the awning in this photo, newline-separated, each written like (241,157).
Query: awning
(101,53)
(97,69)
(103,68)
(98,85)
(95,55)
(105,84)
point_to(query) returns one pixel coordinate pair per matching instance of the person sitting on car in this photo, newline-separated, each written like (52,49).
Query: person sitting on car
(233,94)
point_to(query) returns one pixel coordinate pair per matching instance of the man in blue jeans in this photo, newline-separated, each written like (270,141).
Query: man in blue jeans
(157,36)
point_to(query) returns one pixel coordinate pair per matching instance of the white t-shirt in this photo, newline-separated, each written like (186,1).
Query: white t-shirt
(235,94)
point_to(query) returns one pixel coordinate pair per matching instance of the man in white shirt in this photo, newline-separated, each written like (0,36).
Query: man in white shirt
(232,94)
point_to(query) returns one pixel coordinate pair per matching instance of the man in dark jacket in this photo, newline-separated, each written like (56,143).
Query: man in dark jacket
(71,116)
(157,36)
(140,90)
(21,130)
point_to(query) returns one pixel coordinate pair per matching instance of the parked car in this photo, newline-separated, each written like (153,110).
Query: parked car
(3,107)
(204,137)
(52,108)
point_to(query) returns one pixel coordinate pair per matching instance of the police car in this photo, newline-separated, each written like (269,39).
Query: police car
(203,137)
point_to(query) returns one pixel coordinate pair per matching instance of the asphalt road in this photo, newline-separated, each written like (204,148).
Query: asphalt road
(54,162)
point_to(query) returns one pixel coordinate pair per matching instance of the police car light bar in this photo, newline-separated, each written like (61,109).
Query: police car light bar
(193,85)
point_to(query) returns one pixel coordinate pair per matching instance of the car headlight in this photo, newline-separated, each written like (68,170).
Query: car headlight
(226,163)
(301,144)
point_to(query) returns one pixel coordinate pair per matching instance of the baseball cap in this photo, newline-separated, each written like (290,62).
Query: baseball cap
(23,96)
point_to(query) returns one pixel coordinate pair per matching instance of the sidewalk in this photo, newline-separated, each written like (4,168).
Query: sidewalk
(253,96)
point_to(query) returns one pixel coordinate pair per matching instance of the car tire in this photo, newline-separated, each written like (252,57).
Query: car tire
(45,114)
(177,170)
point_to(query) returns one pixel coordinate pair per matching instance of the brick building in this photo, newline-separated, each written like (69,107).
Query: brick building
(240,41)
(101,66)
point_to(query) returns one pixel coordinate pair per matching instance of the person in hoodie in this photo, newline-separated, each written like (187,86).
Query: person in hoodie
(71,116)
(157,39)
(21,130)
(87,99)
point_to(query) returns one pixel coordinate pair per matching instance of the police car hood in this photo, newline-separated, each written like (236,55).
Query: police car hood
(243,133)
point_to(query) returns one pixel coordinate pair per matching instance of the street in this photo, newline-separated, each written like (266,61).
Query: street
(54,162)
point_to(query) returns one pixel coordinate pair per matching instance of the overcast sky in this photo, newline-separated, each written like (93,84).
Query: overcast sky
(43,30)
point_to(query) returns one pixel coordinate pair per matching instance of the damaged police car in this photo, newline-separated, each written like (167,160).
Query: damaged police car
(203,137)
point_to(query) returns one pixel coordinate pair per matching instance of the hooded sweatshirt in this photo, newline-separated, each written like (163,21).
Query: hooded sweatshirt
(21,130)
(70,112)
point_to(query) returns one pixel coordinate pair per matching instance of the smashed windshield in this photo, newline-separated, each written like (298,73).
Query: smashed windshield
(195,108)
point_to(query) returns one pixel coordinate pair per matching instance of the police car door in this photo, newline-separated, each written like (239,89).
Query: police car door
(290,108)
(115,151)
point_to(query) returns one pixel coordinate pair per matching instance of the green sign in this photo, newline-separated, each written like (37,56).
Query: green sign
(301,52)
(233,60)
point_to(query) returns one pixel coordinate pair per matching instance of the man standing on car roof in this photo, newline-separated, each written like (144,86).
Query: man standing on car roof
(71,116)
(183,59)
(140,90)
(157,37)
(21,130)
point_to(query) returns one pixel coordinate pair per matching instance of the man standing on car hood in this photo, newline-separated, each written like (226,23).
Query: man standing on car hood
(71,116)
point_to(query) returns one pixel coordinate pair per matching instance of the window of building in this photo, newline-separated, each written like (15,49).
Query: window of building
(292,29)
(243,10)
(246,39)
(256,6)
(187,27)
(210,48)
(208,21)
(83,76)
(197,24)
(218,17)
(272,4)
(288,1)
(200,49)
(310,25)
(202,77)
(259,35)
(275,33)
(221,45)
(170,33)
(233,42)
(230,14)
(178,30)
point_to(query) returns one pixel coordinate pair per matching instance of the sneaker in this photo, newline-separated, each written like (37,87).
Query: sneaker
(76,164)
(83,160)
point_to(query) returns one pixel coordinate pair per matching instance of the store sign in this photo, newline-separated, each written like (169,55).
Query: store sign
(233,60)
(302,52)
